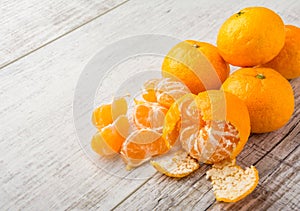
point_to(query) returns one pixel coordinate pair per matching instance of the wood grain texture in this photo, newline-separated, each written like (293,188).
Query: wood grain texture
(278,167)
(28,25)
(41,163)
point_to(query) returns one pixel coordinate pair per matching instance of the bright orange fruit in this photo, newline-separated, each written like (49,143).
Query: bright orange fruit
(253,36)
(197,64)
(212,126)
(268,96)
(287,62)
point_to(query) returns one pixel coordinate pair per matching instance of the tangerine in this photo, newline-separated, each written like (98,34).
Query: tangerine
(197,64)
(287,62)
(214,125)
(253,36)
(267,94)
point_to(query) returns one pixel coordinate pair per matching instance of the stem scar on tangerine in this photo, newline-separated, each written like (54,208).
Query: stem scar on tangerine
(260,76)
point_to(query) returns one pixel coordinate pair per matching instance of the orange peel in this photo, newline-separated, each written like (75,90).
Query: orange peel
(178,164)
(230,182)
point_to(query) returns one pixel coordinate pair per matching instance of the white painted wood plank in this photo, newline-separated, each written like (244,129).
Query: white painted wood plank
(42,165)
(28,25)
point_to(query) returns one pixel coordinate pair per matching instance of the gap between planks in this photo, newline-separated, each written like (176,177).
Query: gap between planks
(64,34)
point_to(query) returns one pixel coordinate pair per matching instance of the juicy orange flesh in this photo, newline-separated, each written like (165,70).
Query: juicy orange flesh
(149,96)
(208,141)
(102,116)
(215,142)
(149,90)
(108,113)
(142,151)
(141,116)
(141,145)
(99,146)
(164,91)
(113,138)
(149,115)
(107,141)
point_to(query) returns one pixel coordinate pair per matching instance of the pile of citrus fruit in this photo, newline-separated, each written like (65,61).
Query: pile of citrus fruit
(202,111)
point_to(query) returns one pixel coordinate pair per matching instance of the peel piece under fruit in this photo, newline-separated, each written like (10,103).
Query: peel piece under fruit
(177,164)
(230,182)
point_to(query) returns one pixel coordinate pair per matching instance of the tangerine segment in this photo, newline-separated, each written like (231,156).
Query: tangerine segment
(149,90)
(102,116)
(169,90)
(141,145)
(164,91)
(172,123)
(214,125)
(109,139)
(149,115)
(106,114)
(178,164)
(230,182)
(219,105)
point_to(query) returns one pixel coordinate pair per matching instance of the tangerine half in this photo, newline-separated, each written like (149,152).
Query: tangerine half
(211,127)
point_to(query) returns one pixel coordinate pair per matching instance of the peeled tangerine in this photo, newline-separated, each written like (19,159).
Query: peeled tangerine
(211,126)
(230,182)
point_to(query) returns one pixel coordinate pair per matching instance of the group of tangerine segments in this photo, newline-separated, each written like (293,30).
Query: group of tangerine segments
(136,134)
(208,127)
(167,113)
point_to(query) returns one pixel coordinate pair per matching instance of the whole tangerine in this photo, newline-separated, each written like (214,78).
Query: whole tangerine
(267,94)
(287,62)
(253,36)
(197,64)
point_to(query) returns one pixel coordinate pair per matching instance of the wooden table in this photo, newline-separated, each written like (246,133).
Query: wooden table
(44,47)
